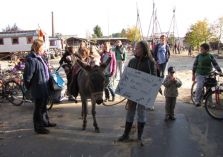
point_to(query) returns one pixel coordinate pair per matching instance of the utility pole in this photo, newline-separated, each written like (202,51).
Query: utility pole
(52,25)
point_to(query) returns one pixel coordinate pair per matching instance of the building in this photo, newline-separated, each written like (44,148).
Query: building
(20,41)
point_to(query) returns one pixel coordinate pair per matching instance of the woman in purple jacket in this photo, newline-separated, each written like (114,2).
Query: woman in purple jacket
(109,71)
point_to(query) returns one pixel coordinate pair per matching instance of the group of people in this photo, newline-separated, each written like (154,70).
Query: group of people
(94,56)
(36,77)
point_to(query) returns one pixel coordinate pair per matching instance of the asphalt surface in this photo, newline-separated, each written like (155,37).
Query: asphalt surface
(194,133)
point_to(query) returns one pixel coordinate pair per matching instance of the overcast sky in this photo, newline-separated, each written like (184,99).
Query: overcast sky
(79,17)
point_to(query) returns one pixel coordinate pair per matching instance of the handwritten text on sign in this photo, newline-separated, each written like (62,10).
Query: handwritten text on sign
(139,86)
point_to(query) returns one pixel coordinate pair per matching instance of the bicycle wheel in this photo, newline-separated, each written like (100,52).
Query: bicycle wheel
(214,104)
(50,103)
(1,92)
(14,93)
(193,89)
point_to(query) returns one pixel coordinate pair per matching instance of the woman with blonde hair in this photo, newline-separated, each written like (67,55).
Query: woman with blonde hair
(36,79)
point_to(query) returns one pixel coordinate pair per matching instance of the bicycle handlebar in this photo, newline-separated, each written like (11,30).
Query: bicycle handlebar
(215,73)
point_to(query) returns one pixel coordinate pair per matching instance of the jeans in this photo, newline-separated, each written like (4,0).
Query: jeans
(109,87)
(200,84)
(161,70)
(120,67)
(141,112)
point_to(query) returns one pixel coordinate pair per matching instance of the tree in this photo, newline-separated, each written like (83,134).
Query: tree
(97,32)
(123,33)
(58,35)
(133,34)
(198,33)
(116,35)
(11,29)
(217,30)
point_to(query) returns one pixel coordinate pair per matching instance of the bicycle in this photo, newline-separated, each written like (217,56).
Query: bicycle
(212,95)
(8,87)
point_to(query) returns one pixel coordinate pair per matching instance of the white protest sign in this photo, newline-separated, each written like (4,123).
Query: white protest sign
(139,86)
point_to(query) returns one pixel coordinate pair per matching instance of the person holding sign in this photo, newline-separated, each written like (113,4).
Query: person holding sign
(143,61)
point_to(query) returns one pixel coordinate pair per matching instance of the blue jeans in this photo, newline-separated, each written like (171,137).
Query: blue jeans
(141,112)
(200,84)
(109,87)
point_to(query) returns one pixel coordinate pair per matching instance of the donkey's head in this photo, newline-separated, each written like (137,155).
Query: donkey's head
(95,80)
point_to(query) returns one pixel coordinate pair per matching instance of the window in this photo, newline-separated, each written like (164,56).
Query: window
(15,40)
(1,42)
(29,40)
(53,43)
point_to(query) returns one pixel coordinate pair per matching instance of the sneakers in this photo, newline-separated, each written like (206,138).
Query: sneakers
(70,98)
(172,118)
(50,125)
(197,105)
(167,117)
(42,131)
(113,99)
(106,99)
(151,108)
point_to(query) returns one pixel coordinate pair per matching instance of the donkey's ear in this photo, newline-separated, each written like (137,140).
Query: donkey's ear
(83,65)
(104,65)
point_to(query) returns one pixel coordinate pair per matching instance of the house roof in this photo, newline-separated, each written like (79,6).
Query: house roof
(19,33)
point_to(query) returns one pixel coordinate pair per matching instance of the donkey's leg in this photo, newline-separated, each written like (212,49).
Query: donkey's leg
(84,112)
(94,117)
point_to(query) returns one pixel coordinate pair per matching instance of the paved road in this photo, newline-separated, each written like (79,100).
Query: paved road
(193,133)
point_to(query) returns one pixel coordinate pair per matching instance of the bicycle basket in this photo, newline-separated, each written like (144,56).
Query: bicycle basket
(57,82)
(210,82)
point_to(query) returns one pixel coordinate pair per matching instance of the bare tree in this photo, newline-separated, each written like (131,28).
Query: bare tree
(11,28)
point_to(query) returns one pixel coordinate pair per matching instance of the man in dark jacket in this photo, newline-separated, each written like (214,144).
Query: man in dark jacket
(68,61)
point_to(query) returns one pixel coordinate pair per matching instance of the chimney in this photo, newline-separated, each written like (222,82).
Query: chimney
(52,25)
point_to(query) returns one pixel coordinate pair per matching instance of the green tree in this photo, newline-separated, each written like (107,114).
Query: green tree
(123,33)
(133,34)
(198,33)
(116,35)
(58,35)
(97,32)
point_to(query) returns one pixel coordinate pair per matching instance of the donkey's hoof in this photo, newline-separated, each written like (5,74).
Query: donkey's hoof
(97,130)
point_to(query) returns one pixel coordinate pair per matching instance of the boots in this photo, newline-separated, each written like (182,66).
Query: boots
(125,136)
(140,132)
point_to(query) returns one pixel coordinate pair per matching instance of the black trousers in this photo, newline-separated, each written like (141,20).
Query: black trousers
(40,117)
(161,70)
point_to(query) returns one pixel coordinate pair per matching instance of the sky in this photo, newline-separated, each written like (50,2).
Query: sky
(79,17)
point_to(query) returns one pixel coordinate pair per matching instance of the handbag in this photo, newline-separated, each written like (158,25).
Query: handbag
(57,81)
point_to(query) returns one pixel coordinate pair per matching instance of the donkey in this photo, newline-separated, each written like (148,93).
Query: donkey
(91,81)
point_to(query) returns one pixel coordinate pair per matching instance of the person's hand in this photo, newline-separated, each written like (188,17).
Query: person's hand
(193,77)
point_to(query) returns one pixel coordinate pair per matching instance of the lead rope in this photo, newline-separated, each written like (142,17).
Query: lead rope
(116,103)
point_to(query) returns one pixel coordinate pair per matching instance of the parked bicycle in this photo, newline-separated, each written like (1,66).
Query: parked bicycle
(212,95)
(13,88)
(8,87)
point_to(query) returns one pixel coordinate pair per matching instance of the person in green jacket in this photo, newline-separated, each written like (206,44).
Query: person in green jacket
(120,53)
(202,68)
